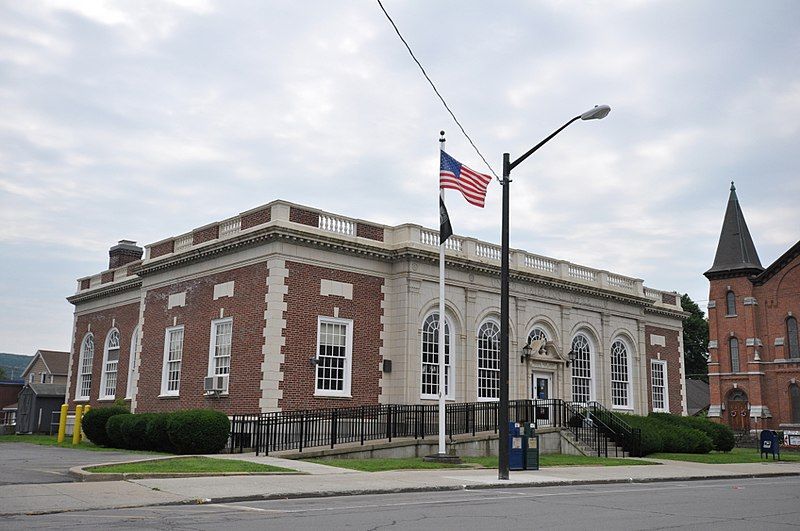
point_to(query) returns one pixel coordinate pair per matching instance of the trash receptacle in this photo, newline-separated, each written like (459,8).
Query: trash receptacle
(531,447)
(516,447)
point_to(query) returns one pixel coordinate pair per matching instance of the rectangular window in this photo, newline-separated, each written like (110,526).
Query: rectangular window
(334,356)
(173,352)
(658,383)
(219,361)
(44,378)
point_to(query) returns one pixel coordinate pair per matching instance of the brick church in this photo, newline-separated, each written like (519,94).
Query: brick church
(754,363)
(286,307)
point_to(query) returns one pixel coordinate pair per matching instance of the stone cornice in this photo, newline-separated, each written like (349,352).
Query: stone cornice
(106,290)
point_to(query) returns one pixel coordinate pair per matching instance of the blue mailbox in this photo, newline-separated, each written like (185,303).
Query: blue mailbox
(769,444)
(516,447)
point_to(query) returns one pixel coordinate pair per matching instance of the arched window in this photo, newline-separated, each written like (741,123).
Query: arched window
(791,337)
(132,363)
(84,380)
(794,397)
(489,361)
(537,333)
(730,303)
(734,347)
(581,369)
(108,376)
(620,379)
(430,358)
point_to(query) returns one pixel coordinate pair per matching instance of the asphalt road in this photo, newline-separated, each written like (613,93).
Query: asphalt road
(23,463)
(772,503)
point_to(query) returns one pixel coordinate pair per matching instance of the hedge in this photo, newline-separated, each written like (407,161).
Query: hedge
(114,428)
(157,435)
(198,431)
(721,435)
(94,423)
(662,435)
(134,431)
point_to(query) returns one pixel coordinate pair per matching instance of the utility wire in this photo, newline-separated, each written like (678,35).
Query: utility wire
(424,73)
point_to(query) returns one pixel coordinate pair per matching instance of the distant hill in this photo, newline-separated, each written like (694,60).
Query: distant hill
(14,364)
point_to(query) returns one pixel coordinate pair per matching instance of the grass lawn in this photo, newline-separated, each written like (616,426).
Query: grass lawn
(51,440)
(187,465)
(417,463)
(737,455)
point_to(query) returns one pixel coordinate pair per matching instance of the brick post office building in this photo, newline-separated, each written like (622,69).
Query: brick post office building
(288,308)
(754,349)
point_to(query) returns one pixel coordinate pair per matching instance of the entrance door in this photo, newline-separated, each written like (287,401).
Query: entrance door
(541,390)
(738,415)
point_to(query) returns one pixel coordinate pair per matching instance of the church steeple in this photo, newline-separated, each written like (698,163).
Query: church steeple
(736,254)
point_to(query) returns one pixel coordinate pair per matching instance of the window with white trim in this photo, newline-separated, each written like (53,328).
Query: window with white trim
(537,333)
(173,353)
(219,353)
(620,377)
(108,376)
(581,369)
(733,345)
(84,380)
(658,385)
(489,361)
(334,356)
(31,377)
(44,377)
(132,363)
(430,359)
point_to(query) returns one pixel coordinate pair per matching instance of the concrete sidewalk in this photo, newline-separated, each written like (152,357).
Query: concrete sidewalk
(321,480)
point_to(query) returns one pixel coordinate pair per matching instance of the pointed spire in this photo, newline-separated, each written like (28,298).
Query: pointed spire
(735,250)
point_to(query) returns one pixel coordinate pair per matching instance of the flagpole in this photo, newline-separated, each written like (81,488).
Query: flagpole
(442,321)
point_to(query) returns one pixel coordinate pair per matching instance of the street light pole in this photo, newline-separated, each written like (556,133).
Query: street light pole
(596,113)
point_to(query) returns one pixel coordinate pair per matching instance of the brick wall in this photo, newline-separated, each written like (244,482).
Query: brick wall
(205,235)
(369,231)
(107,277)
(304,304)
(305,217)
(162,248)
(125,318)
(252,219)
(671,354)
(246,307)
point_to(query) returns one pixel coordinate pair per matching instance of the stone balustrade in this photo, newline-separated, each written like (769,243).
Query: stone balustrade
(401,236)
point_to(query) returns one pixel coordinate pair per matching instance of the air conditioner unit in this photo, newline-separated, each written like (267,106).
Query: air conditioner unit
(216,384)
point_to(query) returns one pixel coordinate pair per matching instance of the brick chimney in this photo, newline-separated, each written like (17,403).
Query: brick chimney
(125,252)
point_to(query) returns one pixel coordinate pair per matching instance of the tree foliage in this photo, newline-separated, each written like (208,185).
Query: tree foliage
(2,373)
(695,340)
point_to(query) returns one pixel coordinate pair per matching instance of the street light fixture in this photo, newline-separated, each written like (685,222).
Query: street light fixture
(596,113)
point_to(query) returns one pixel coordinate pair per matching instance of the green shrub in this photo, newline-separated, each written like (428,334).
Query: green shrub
(114,430)
(94,423)
(198,431)
(134,431)
(721,435)
(157,434)
(652,441)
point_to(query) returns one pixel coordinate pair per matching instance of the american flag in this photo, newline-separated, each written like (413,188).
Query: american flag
(471,184)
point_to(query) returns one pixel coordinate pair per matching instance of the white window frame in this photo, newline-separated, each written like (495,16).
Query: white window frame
(31,377)
(629,374)
(488,373)
(165,391)
(591,367)
(348,357)
(450,368)
(83,375)
(132,363)
(664,386)
(212,350)
(43,378)
(104,371)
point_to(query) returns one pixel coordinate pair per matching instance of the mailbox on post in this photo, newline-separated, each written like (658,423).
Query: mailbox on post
(769,444)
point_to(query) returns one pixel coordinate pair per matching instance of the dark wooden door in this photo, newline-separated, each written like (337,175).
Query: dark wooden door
(738,415)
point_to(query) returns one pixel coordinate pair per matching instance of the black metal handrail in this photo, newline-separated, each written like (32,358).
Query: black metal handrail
(617,429)
(298,430)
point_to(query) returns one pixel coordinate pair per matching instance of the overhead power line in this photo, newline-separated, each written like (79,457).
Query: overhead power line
(433,86)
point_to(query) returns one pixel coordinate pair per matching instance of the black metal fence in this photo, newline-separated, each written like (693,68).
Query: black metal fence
(297,430)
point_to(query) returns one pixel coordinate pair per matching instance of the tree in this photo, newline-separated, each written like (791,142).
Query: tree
(695,340)
(3,373)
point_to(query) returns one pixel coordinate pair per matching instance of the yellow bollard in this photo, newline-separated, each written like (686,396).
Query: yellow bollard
(76,429)
(62,423)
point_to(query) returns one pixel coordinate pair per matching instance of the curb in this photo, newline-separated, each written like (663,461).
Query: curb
(400,490)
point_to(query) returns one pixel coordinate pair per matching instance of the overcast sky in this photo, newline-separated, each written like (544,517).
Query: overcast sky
(142,120)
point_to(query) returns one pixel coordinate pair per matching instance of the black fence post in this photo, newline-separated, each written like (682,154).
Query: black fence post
(334,427)
(362,425)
